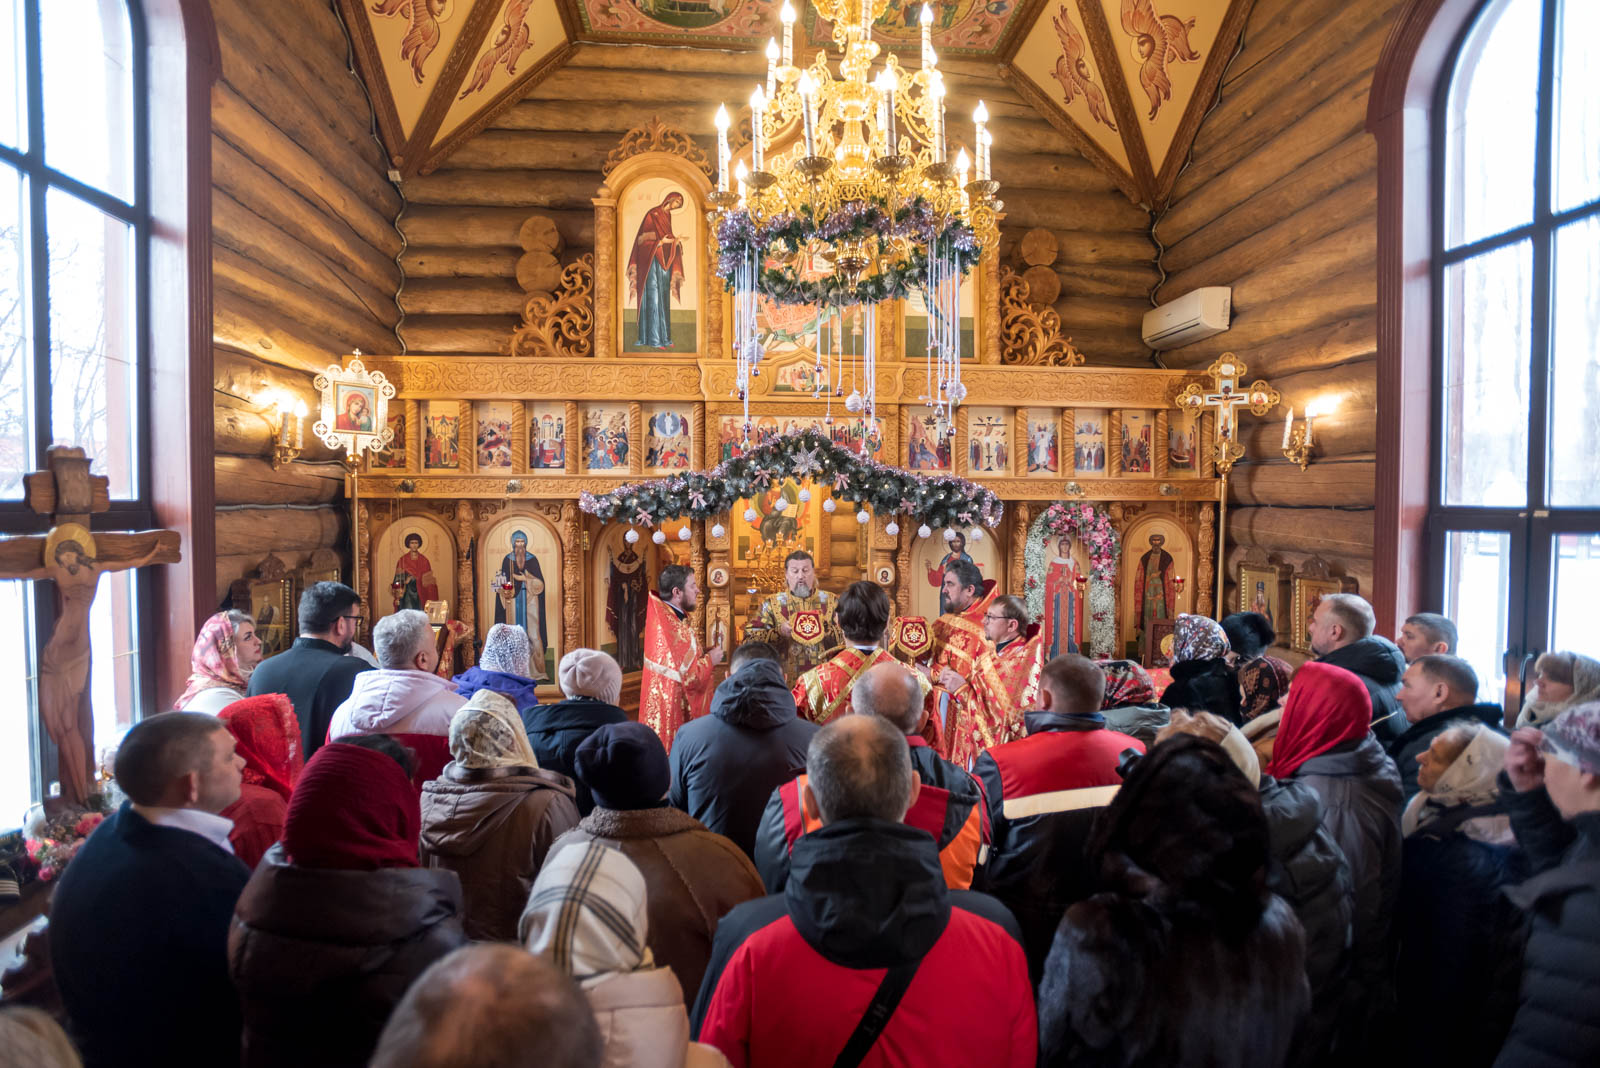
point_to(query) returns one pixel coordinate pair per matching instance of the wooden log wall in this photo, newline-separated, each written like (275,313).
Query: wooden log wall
(303,266)
(544,155)
(1280,203)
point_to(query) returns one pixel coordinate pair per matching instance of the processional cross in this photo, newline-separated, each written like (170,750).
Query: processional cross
(1227,397)
(74,559)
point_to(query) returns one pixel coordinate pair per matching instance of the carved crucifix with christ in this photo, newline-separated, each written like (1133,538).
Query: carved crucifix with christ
(74,559)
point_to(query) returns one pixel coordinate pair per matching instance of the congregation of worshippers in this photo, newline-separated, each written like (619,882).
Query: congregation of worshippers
(322,860)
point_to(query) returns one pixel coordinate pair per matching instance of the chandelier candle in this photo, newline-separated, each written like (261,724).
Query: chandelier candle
(772,67)
(928,57)
(722,149)
(758,115)
(787,16)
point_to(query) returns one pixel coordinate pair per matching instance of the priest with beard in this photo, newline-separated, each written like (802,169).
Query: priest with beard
(988,707)
(818,637)
(958,643)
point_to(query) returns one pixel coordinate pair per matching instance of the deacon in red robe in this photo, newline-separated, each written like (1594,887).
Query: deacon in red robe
(676,684)
(988,710)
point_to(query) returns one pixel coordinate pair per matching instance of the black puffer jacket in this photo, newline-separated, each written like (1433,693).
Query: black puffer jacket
(1308,870)
(555,732)
(1204,686)
(1460,940)
(1378,663)
(1557,1024)
(1417,737)
(320,957)
(726,765)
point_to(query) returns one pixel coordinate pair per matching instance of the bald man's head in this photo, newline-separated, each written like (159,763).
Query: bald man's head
(890,692)
(859,767)
(493,1005)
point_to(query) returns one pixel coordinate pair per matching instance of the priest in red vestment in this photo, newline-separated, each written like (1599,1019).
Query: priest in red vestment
(676,685)
(987,711)
(863,613)
(958,642)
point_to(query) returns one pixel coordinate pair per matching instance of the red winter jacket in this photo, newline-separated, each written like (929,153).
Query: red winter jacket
(792,974)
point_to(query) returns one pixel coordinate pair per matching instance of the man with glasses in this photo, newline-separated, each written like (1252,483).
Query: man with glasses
(1551,788)
(314,672)
(987,710)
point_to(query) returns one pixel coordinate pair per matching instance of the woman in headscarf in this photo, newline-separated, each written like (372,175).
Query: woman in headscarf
(226,651)
(1202,681)
(1563,681)
(1325,740)
(1130,704)
(492,814)
(267,735)
(338,918)
(587,916)
(1459,955)
(1184,957)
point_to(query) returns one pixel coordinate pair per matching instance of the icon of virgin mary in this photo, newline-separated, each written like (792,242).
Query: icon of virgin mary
(655,273)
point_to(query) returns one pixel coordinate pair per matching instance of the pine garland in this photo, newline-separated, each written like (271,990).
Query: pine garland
(931,500)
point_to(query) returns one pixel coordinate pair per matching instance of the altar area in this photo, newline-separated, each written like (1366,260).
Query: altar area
(584,444)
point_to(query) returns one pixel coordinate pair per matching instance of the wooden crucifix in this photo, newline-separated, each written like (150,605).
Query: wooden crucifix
(74,559)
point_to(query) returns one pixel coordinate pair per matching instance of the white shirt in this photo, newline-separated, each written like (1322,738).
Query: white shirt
(208,825)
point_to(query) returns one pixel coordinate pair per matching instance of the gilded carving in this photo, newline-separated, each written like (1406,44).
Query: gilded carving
(466,609)
(454,376)
(571,576)
(657,136)
(559,325)
(1030,336)
(1206,577)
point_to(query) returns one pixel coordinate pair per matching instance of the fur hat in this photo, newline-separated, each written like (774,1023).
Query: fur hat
(624,765)
(590,673)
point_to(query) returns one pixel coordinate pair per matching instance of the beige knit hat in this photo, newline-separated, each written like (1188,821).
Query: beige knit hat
(590,673)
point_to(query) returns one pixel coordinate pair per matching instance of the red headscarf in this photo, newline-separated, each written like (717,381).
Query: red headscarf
(214,661)
(268,737)
(1327,706)
(353,809)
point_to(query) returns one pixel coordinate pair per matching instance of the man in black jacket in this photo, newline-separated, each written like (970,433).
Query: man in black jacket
(1551,787)
(139,922)
(315,671)
(1437,692)
(726,765)
(1341,632)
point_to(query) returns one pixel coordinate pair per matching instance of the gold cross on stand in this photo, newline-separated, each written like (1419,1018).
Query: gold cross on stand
(74,559)
(1227,397)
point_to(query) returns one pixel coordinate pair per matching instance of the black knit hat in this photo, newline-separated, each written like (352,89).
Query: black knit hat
(624,765)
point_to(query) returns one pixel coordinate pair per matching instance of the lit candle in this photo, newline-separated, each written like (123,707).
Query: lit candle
(980,116)
(772,65)
(936,120)
(962,166)
(787,16)
(866,20)
(300,413)
(807,87)
(928,58)
(285,408)
(988,155)
(722,149)
(758,114)
(1288,427)
(1308,427)
(887,85)
(739,175)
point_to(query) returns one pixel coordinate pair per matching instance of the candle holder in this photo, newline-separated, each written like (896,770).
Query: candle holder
(761,179)
(1298,450)
(943,173)
(722,201)
(982,189)
(289,438)
(893,166)
(813,167)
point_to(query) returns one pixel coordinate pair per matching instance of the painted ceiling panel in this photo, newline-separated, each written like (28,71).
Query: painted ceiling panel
(414,39)
(1055,58)
(1162,46)
(522,35)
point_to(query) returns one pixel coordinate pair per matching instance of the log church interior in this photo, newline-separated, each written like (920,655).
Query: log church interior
(646,331)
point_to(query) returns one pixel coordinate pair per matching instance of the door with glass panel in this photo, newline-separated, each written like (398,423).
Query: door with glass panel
(1514,531)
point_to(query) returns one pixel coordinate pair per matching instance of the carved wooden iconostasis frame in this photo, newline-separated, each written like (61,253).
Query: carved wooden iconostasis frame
(566,362)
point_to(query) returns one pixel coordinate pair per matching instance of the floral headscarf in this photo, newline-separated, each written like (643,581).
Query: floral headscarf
(1264,681)
(214,661)
(1126,684)
(267,735)
(1197,638)
(487,732)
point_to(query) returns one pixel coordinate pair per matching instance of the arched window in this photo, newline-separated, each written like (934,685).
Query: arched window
(1514,522)
(79,317)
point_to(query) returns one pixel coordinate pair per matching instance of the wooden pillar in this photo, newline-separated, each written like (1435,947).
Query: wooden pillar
(605,266)
(465,608)
(1205,577)
(1208,452)
(987,334)
(571,577)
(573,437)
(414,438)
(959,461)
(467,438)
(1158,447)
(1066,448)
(1020,441)
(697,436)
(902,593)
(519,438)
(1114,443)
(1021,516)
(635,439)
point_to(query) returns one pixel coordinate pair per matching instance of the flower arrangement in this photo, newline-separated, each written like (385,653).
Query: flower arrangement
(740,236)
(52,843)
(1093,528)
(931,500)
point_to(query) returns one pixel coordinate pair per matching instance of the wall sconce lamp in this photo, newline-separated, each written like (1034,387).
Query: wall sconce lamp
(1298,440)
(1177,588)
(292,412)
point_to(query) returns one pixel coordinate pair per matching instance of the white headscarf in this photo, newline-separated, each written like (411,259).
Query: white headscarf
(1469,780)
(487,732)
(586,913)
